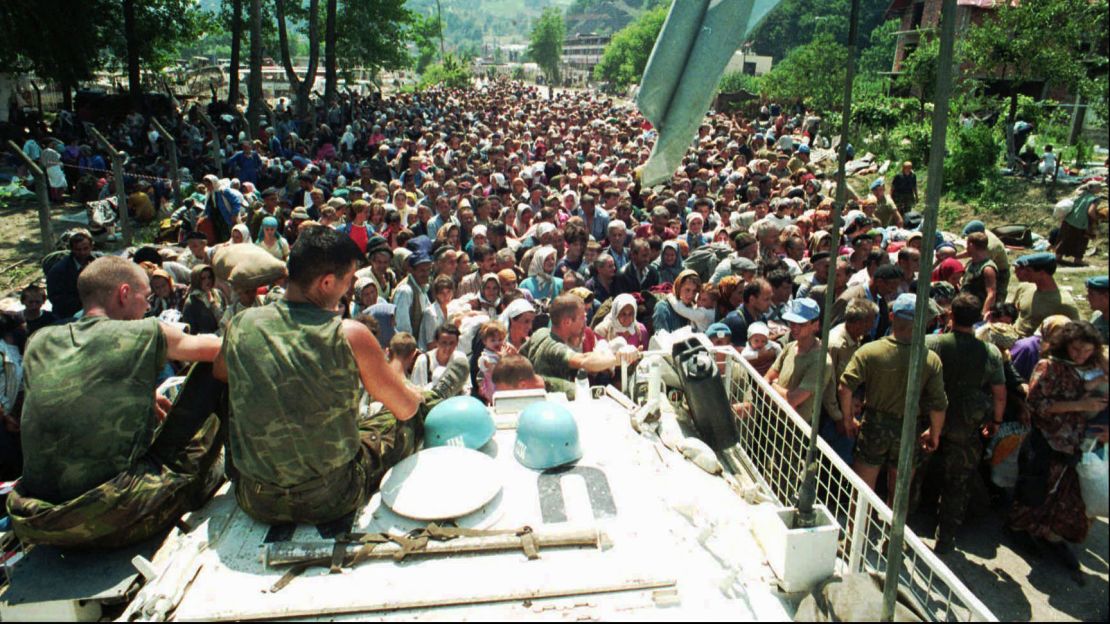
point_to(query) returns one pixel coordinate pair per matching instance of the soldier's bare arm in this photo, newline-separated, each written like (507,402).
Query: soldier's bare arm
(381,380)
(185,348)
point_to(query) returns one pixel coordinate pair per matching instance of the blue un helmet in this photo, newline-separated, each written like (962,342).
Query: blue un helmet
(546,436)
(458,421)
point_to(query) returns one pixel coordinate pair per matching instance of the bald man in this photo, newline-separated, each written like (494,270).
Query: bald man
(105,466)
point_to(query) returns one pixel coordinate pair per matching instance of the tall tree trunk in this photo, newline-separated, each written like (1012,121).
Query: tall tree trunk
(134,81)
(331,86)
(283,43)
(236,44)
(254,82)
(313,60)
(67,94)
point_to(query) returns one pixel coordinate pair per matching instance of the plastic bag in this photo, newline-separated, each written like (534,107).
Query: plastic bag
(1094,483)
(1062,208)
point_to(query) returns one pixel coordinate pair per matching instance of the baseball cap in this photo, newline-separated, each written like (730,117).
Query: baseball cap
(904,306)
(802,310)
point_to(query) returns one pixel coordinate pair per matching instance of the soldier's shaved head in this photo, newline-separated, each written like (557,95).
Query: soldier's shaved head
(99,281)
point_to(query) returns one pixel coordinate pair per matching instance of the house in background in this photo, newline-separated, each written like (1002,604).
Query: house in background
(922,17)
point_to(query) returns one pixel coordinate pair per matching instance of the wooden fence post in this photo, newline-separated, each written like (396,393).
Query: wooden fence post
(121,190)
(175,175)
(46,229)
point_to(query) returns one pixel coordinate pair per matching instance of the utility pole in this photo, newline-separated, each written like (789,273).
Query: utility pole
(933,188)
(807,494)
(121,191)
(46,229)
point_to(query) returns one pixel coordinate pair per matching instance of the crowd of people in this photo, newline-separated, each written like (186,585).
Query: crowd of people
(454,242)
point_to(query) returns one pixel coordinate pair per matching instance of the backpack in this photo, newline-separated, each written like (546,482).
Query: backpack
(1017,235)
(704,259)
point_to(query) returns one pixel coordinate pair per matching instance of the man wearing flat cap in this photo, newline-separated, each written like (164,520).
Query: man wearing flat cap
(1038,296)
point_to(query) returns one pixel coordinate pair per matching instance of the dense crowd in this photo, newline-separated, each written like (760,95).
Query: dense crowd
(491,238)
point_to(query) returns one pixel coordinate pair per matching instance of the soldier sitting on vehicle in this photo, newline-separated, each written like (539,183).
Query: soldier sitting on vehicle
(296,372)
(100,469)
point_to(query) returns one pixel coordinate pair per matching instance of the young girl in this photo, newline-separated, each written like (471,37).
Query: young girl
(759,344)
(621,323)
(492,334)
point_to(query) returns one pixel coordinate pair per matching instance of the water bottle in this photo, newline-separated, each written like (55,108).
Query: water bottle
(581,386)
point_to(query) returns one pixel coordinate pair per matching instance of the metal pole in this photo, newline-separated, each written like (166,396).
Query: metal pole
(121,191)
(808,492)
(933,189)
(175,175)
(46,229)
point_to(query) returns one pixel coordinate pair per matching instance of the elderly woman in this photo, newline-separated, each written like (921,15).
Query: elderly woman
(621,323)
(669,262)
(1049,506)
(541,281)
(204,305)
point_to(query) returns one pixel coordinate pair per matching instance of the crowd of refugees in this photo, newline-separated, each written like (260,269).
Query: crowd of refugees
(491,238)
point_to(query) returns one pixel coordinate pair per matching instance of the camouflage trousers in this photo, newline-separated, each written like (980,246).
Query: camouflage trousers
(177,474)
(384,442)
(959,454)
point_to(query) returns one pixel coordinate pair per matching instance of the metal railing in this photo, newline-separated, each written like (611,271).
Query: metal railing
(773,443)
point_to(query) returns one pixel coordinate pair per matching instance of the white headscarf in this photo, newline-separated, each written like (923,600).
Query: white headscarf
(619,303)
(535,270)
(515,309)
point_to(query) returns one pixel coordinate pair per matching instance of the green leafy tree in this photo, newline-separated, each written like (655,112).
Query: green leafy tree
(813,73)
(795,23)
(453,73)
(546,45)
(735,81)
(152,32)
(624,58)
(425,35)
(236,7)
(257,102)
(919,72)
(878,56)
(30,33)
(381,48)
(1060,42)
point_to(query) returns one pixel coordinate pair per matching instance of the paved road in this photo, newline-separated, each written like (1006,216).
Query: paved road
(1020,587)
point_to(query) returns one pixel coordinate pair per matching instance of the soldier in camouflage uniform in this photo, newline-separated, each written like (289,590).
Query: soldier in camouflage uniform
(882,368)
(100,471)
(296,371)
(969,365)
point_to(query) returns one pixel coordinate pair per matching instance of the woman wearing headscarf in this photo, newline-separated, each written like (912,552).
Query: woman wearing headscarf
(274,243)
(541,282)
(950,270)
(164,293)
(204,305)
(678,308)
(518,317)
(488,297)
(621,323)
(669,262)
(1048,506)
